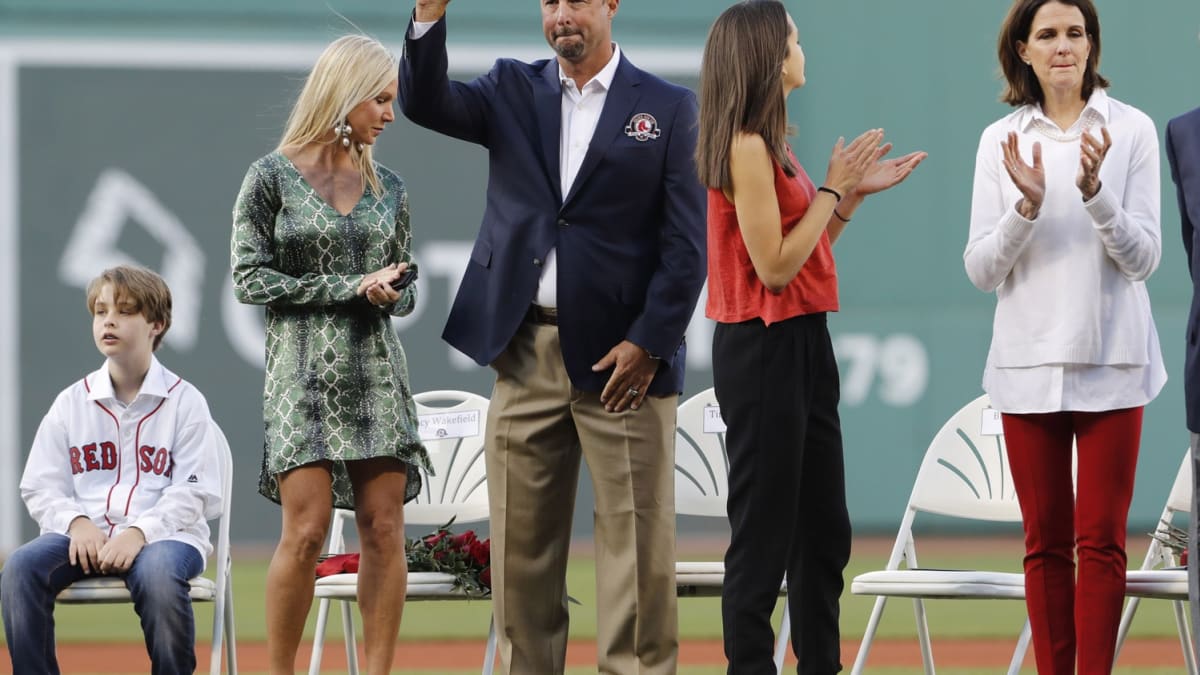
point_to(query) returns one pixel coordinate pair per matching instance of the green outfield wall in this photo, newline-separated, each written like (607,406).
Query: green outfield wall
(126,128)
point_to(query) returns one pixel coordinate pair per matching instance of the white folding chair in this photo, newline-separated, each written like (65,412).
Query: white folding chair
(965,475)
(1160,575)
(451,426)
(701,484)
(218,590)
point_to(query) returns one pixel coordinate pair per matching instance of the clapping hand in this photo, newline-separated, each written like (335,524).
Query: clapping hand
(1030,180)
(849,163)
(884,174)
(1091,156)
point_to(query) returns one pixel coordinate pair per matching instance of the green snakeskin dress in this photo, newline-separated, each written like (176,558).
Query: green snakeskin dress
(336,384)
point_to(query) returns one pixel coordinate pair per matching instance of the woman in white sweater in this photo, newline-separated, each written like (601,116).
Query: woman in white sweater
(1065,230)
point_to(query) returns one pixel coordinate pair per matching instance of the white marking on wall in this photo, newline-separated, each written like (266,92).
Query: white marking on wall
(117,200)
(201,55)
(10,347)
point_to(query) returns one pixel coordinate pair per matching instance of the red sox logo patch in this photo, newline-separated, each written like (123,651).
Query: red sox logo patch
(643,127)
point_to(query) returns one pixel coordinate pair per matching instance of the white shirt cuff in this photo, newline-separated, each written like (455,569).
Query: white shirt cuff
(1103,208)
(1014,225)
(420,28)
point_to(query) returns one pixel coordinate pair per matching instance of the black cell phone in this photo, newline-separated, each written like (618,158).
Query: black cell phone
(406,277)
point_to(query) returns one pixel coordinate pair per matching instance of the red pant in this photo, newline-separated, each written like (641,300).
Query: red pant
(1070,613)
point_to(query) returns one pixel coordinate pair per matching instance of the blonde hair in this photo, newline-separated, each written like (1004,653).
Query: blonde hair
(142,289)
(352,69)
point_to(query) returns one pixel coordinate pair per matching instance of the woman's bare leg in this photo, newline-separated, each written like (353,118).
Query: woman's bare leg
(379,511)
(307,499)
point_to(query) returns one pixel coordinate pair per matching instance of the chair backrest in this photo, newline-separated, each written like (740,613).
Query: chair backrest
(222,547)
(452,428)
(965,471)
(701,464)
(1180,499)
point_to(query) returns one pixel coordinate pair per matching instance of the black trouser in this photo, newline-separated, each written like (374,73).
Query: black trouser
(778,390)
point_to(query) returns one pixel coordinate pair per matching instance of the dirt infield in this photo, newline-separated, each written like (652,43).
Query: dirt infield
(467,655)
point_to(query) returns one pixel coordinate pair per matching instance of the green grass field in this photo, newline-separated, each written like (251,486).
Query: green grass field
(698,617)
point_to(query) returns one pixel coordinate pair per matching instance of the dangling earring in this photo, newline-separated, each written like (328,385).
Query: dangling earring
(343,129)
(360,146)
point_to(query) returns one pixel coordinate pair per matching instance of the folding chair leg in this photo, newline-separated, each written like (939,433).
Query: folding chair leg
(318,646)
(1022,648)
(864,647)
(489,654)
(1126,621)
(230,634)
(781,642)
(923,636)
(1185,638)
(351,643)
(218,633)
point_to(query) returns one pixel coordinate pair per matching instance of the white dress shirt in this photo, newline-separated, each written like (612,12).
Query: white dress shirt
(581,110)
(1073,328)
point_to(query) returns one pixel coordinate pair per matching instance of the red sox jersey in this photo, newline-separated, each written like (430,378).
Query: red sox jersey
(153,464)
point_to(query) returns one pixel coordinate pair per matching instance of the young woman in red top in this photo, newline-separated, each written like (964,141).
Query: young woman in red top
(771,281)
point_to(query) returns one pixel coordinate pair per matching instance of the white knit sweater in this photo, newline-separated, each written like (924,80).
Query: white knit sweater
(1073,328)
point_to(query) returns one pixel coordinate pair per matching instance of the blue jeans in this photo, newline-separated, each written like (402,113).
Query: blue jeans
(158,582)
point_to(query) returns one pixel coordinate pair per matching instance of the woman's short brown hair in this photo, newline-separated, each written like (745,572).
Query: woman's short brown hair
(144,290)
(1022,86)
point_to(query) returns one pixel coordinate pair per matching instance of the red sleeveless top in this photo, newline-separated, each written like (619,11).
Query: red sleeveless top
(735,293)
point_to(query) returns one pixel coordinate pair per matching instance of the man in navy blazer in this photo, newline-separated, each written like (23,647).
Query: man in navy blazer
(1183,154)
(581,282)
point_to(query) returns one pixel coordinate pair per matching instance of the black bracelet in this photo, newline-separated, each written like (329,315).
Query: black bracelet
(836,195)
(840,217)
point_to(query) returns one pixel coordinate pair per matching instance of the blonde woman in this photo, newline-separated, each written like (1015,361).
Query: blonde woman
(320,236)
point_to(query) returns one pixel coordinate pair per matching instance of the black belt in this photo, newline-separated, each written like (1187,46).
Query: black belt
(547,316)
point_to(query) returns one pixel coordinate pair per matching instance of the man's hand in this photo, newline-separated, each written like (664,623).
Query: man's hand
(430,10)
(633,372)
(117,555)
(86,543)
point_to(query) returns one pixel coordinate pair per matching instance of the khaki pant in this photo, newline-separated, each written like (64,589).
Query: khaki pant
(538,427)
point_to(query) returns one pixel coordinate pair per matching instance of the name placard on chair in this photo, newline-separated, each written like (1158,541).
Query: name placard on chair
(989,423)
(713,424)
(436,426)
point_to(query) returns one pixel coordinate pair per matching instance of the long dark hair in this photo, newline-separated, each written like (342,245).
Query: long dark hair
(1022,84)
(741,88)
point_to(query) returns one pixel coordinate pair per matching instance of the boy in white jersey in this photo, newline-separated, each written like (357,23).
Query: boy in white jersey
(122,478)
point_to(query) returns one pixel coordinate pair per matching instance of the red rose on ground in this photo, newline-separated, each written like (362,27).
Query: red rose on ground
(481,552)
(435,538)
(463,541)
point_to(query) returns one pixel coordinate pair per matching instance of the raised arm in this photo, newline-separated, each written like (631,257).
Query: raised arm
(776,258)
(1128,224)
(999,231)
(427,95)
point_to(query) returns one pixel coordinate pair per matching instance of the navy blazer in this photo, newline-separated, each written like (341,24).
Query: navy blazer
(1183,154)
(630,235)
